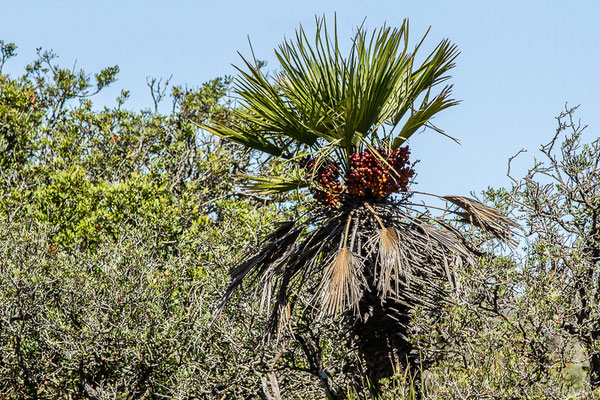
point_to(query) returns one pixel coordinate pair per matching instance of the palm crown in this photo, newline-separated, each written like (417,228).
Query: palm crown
(320,102)
(341,124)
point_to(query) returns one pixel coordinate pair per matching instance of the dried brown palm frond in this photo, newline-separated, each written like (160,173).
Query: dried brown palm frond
(342,283)
(487,218)
(338,255)
(276,245)
(286,260)
(391,257)
(393,261)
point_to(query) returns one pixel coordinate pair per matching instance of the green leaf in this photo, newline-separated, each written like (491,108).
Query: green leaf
(275,185)
(319,98)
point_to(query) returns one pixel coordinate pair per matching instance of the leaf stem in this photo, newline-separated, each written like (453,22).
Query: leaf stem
(375,214)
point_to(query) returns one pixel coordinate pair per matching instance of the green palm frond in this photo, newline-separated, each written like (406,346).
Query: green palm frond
(275,184)
(252,140)
(318,97)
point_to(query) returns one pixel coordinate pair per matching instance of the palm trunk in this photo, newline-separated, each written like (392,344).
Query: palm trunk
(381,334)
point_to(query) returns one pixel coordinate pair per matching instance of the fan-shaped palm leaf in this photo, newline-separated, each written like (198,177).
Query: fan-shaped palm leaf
(319,96)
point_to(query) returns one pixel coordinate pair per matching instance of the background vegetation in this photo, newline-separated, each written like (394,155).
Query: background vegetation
(118,227)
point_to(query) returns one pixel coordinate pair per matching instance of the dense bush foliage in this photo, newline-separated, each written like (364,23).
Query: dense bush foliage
(118,227)
(525,325)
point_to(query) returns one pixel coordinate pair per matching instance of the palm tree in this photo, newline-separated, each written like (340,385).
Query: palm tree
(364,250)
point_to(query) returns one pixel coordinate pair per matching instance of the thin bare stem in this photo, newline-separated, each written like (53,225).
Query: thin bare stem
(375,214)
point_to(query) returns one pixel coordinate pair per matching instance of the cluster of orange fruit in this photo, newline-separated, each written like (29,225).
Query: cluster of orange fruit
(327,189)
(370,175)
(379,174)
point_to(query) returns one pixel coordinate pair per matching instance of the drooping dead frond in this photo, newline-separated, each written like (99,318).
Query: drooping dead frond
(341,287)
(427,249)
(392,259)
(450,241)
(276,246)
(296,267)
(360,252)
(487,218)
(284,314)
(393,262)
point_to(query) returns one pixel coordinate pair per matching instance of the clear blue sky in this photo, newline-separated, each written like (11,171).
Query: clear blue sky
(520,61)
